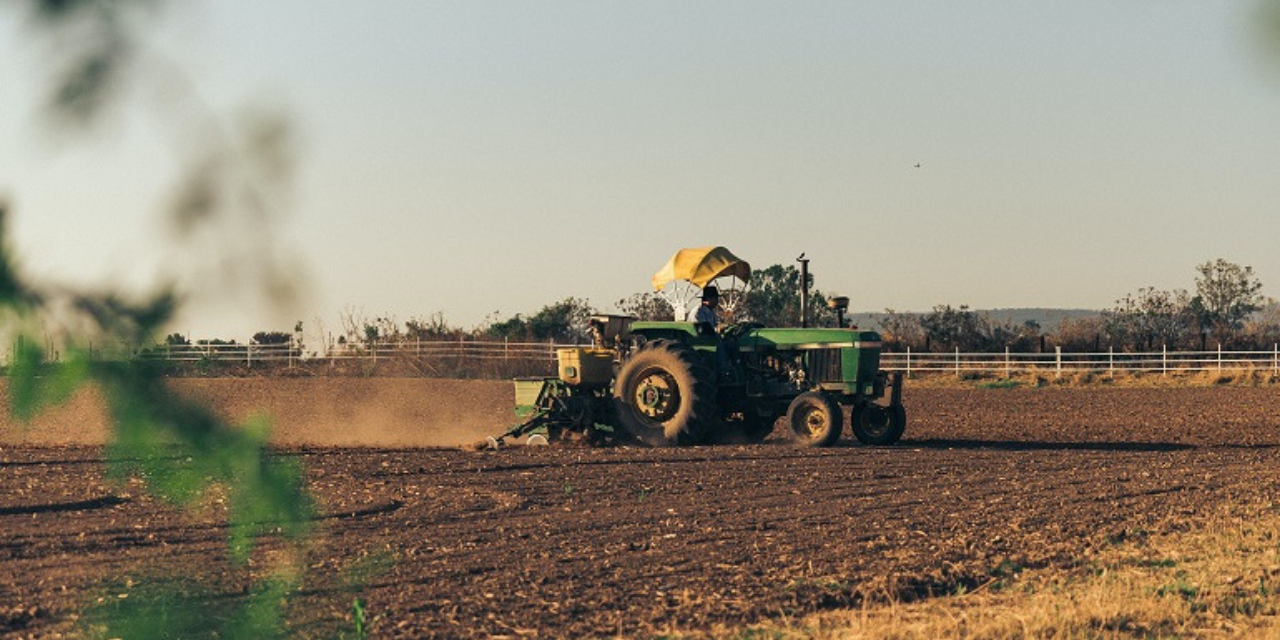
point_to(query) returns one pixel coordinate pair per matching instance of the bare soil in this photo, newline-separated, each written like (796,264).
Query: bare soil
(577,542)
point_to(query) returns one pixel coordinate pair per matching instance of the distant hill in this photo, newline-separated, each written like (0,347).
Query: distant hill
(1049,319)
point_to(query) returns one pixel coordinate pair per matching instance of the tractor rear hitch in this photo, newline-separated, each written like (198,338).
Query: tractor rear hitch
(539,420)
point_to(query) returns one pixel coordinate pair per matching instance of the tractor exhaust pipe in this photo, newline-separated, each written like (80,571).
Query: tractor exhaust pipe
(804,290)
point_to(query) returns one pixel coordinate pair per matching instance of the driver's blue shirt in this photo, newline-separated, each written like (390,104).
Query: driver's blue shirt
(706,314)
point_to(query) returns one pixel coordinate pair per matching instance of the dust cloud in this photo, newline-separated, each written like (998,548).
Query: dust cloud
(344,412)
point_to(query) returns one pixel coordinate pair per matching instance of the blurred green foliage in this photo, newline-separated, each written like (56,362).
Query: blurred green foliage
(95,43)
(170,609)
(1266,31)
(179,449)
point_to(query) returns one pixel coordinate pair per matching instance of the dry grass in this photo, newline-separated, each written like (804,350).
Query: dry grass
(1216,579)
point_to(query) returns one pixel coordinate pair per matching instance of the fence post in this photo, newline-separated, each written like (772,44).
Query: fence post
(1057,361)
(1164,359)
(957,361)
(1275,357)
(1111,362)
(248,354)
(1006,361)
(908,361)
(1219,356)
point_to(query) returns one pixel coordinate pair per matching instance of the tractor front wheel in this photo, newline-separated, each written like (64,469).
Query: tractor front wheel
(815,419)
(878,425)
(664,395)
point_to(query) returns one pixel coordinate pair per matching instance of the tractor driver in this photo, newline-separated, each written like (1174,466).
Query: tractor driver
(705,317)
(705,320)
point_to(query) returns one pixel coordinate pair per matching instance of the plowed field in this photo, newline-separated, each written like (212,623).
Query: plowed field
(578,542)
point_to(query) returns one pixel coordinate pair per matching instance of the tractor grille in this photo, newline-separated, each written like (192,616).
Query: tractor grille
(824,365)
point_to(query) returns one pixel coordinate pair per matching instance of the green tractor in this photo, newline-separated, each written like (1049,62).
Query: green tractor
(677,383)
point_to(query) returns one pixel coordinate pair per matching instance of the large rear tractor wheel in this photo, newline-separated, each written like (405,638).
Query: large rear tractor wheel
(665,396)
(815,419)
(878,425)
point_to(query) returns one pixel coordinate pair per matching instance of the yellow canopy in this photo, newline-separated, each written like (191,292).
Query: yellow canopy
(700,266)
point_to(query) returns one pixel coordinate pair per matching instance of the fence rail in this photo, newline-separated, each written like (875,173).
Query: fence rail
(276,353)
(910,362)
(1058,362)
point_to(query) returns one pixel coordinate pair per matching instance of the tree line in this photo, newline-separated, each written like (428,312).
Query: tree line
(1225,307)
(771,299)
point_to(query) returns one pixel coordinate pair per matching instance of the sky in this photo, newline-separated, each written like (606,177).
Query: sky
(482,159)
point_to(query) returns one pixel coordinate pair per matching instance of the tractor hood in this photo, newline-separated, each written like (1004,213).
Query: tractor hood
(797,338)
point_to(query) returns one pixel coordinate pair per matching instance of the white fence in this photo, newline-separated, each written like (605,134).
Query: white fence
(1058,362)
(910,362)
(249,354)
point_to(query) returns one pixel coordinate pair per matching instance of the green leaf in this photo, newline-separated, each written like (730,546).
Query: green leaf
(164,609)
(35,385)
(25,398)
